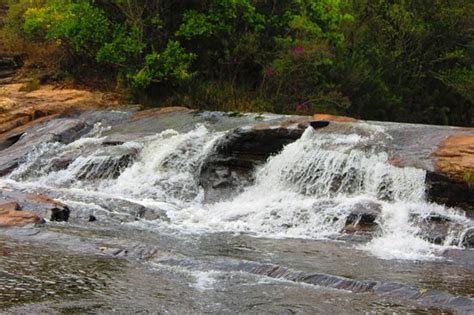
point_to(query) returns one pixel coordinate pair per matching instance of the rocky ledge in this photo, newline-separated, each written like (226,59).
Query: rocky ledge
(40,208)
(446,153)
(21,109)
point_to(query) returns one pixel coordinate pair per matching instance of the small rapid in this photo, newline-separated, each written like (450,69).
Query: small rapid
(311,187)
(308,190)
(168,167)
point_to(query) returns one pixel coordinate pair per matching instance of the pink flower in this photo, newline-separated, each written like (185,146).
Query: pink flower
(269,72)
(297,50)
(302,106)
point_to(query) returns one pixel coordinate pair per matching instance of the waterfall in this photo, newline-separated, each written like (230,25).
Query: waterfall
(308,190)
(311,187)
(168,167)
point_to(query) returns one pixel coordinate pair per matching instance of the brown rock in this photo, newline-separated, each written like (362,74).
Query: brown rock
(11,215)
(18,108)
(6,104)
(10,206)
(42,205)
(333,118)
(158,111)
(44,199)
(455,156)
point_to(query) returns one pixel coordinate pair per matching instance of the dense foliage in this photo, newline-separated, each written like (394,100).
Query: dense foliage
(388,60)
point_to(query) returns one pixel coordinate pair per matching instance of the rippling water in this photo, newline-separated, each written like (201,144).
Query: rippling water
(36,279)
(33,273)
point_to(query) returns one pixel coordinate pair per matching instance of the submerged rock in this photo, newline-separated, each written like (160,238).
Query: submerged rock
(363,217)
(392,290)
(149,214)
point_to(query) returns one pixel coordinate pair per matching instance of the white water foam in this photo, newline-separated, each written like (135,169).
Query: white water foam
(313,185)
(168,167)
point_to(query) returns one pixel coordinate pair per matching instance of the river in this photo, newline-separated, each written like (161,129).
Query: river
(326,224)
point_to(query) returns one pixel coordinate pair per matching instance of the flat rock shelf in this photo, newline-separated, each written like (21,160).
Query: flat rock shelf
(178,211)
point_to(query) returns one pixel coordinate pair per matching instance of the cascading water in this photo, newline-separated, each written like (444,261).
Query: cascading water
(314,184)
(308,190)
(168,167)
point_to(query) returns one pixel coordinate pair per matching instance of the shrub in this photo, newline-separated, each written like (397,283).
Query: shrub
(81,27)
(171,64)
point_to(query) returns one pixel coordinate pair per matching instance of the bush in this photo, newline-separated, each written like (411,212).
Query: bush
(396,60)
(80,27)
(171,64)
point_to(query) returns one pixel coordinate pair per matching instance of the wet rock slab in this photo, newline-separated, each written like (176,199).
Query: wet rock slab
(59,130)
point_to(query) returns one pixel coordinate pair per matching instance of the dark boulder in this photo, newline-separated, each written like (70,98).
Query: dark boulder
(230,167)
(450,192)
(10,61)
(258,143)
(319,124)
(9,64)
(106,167)
(437,228)
(60,214)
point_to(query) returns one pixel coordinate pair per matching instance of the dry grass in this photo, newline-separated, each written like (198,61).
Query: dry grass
(32,85)
(37,55)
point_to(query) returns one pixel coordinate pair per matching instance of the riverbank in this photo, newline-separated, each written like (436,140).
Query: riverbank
(20,107)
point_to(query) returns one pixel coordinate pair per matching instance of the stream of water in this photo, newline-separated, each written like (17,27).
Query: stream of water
(293,214)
